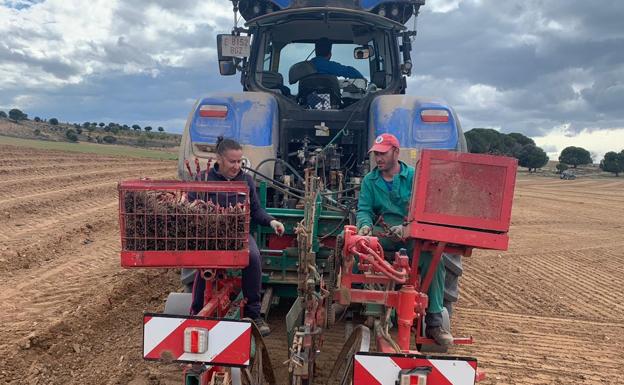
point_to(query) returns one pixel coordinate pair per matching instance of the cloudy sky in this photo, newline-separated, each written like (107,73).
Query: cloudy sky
(551,69)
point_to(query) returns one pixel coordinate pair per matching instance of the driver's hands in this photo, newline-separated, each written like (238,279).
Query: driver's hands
(278,227)
(364,230)
(397,231)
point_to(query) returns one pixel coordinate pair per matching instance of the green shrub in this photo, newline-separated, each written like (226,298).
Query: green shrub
(71,135)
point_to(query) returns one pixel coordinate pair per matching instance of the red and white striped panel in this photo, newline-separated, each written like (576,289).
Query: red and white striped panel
(377,369)
(229,342)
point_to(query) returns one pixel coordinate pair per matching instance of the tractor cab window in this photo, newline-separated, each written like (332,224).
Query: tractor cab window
(317,90)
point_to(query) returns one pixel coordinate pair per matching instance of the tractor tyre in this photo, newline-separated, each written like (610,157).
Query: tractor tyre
(187,276)
(178,303)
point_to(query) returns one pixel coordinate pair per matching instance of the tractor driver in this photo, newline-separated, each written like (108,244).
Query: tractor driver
(228,168)
(324,65)
(386,192)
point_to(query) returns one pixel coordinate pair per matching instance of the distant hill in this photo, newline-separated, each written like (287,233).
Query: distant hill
(67,132)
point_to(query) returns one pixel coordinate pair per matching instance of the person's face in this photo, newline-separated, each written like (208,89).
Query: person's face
(230,163)
(386,160)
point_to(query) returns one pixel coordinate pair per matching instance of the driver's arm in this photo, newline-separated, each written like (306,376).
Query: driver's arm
(344,71)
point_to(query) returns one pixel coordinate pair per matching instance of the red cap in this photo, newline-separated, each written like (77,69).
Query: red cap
(384,143)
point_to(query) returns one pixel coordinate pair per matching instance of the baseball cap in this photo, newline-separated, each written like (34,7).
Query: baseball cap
(384,143)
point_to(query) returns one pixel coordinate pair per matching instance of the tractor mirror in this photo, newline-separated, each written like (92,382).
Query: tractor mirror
(227,67)
(363,52)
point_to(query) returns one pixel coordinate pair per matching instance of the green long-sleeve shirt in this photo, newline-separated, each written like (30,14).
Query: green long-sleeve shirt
(375,199)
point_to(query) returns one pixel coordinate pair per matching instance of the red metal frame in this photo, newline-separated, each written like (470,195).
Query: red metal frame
(188,257)
(462,198)
(410,301)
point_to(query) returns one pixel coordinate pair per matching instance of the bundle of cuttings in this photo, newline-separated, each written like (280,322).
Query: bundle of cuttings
(178,221)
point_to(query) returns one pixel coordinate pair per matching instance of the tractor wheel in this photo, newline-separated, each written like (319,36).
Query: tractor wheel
(187,277)
(260,369)
(178,303)
(358,341)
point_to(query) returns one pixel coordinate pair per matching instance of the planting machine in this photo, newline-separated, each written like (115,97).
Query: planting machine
(309,159)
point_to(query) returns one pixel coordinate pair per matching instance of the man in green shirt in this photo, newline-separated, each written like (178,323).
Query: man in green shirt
(386,192)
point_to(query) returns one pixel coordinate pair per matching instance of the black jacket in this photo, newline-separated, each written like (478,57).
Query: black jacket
(258,215)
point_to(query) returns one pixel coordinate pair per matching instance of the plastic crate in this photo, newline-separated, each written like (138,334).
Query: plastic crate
(166,223)
(463,199)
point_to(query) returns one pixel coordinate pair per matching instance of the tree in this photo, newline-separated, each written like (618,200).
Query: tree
(109,139)
(3,114)
(17,115)
(160,129)
(37,119)
(86,125)
(71,135)
(53,121)
(102,124)
(147,128)
(561,167)
(532,157)
(575,156)
(114,129)
(136,127)
(613,162)
(521,139)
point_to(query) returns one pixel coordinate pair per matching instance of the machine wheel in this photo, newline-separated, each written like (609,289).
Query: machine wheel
(358,341)
(187,277)
(178,303)
(260,369)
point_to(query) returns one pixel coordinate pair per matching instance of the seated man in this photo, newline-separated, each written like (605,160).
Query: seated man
(323,65)
(386,190)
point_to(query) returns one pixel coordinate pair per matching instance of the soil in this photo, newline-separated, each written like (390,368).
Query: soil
(548,311)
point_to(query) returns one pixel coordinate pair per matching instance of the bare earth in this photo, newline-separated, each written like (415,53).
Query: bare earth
(548,311)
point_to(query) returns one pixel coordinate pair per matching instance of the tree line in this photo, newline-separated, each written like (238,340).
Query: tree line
(529,155)
(17,115)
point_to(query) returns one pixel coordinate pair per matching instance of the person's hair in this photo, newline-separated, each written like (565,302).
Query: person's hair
(224,144)
(323,47)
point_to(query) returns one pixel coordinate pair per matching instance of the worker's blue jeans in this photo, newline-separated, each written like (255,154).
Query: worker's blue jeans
(252,283)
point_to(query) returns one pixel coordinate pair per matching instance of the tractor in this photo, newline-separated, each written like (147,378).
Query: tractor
(305,136)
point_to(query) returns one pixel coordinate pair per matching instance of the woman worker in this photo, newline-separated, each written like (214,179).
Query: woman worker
(228,168)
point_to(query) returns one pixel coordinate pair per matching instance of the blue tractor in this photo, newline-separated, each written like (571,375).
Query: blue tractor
(293,120)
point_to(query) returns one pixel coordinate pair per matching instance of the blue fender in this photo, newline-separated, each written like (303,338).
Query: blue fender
(251,120)
(400,115)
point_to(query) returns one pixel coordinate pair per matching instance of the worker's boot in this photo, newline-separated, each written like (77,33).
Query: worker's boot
(262,326)
(440,335)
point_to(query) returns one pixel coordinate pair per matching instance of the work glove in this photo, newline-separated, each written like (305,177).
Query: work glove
(364,230)
(397,231)
(278,227)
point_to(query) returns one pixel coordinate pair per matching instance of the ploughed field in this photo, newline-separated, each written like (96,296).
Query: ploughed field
(548,311)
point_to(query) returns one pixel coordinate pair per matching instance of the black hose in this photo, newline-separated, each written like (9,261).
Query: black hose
(282,161)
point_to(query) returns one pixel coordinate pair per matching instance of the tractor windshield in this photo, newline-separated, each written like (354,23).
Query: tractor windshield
(364,61)
(294,53)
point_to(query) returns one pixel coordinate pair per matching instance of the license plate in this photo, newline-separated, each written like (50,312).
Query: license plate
(235,46)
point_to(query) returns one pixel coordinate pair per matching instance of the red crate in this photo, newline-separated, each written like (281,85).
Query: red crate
(167,223)
(462,198)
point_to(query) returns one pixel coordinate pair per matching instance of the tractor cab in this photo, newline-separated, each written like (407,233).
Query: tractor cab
(283,58)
